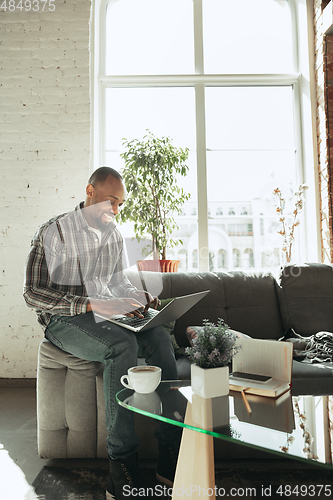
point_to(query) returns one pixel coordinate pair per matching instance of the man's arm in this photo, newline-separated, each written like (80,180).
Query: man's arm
(43,294)
(39,292)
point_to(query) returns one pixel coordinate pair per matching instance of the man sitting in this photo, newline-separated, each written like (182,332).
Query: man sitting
(74,271)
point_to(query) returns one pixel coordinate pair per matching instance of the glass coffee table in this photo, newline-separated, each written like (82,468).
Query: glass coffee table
(296,427)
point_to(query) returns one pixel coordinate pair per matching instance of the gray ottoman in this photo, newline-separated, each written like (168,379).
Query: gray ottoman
(70,406)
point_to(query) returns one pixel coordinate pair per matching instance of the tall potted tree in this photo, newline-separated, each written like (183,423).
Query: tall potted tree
(154,197)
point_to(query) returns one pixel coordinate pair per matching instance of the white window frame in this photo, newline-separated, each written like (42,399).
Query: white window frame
(302,82)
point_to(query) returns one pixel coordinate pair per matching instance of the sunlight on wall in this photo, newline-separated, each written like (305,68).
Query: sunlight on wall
(13,484)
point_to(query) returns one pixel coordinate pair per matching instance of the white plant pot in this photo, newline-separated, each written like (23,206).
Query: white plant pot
(210,382)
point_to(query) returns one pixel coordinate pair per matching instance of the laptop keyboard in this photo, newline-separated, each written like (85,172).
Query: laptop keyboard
(138,322)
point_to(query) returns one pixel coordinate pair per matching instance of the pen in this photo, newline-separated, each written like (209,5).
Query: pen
(248,407)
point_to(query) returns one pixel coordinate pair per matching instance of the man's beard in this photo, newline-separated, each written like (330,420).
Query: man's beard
(103,226)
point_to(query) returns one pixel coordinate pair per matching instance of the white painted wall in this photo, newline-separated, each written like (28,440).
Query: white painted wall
(44,151)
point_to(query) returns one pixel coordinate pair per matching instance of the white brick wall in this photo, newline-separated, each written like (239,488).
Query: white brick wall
(44,151)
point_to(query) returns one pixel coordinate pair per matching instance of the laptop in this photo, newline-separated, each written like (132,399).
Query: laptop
(171,312)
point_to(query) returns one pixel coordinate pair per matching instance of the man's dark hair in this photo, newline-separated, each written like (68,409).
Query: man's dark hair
(102,173)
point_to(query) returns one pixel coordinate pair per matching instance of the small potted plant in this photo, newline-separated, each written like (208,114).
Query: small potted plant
(152,166)
(211,351)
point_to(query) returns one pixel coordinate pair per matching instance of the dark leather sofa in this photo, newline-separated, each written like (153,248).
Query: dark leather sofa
(264,308)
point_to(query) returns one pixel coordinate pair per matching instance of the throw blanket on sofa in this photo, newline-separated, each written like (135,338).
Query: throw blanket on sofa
(317,348)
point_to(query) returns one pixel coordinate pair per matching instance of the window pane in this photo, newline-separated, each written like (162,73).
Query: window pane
(251,152)
(165,112)
(243,222)
(187,221)
(247,36)
(250,118)
(149,37)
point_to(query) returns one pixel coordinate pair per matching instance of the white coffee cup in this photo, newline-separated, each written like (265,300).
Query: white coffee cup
(142,379)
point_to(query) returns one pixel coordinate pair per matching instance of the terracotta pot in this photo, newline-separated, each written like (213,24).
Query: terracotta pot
(162,266)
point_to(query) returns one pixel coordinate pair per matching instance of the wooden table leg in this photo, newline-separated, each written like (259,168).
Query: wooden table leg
(195,473)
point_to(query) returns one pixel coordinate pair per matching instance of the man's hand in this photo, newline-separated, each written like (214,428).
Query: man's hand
(146,298)
(108,308)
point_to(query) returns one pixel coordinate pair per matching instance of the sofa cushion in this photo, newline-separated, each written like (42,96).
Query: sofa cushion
(312,379)
(305,294)
(247,302)
(252,306)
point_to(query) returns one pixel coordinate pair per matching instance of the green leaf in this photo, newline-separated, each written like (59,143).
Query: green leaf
(150,176)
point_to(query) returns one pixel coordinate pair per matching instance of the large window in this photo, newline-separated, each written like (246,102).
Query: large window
(222,79)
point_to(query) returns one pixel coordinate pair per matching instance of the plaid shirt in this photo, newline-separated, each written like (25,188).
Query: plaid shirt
(67,264)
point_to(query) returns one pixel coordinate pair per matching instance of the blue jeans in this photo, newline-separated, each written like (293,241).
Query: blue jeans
(117,348)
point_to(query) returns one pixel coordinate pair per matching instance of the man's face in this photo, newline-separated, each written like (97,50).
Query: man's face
(104,201)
